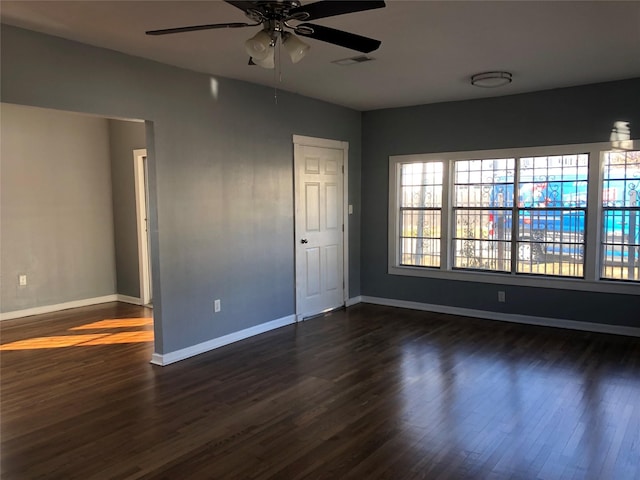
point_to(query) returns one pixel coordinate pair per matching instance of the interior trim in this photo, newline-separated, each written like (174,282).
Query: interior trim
(184,353)
(507,317)
(353,301)
(27,312)
(131,300)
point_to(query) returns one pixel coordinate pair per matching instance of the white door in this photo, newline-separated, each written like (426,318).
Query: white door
(319,225)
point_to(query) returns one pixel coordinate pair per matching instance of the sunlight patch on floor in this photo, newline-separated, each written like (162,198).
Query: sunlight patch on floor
(91,339)
(116,323)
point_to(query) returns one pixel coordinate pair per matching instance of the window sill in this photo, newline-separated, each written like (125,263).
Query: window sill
(601,286)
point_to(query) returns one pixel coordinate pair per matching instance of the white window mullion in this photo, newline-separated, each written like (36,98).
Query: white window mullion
(445,235)
(515,220)
(394,215)
(592,250)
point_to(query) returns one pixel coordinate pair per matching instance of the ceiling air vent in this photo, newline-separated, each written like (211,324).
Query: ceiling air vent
(352,60)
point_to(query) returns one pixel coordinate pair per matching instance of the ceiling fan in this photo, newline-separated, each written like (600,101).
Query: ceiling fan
(276,17)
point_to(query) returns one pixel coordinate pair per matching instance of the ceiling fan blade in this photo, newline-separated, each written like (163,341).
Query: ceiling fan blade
(338,37)
(193,28)
(244,6)
(329,8)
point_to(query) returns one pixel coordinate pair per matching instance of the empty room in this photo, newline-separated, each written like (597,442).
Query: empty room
(319,239)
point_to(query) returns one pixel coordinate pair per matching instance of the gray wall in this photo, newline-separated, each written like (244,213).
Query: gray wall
(221,176)
(563,116)
(124,138)
(55,208)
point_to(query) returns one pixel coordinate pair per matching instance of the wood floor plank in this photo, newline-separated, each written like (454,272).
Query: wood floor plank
(367,392)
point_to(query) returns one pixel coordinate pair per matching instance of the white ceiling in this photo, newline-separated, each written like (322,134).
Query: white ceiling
(429,49)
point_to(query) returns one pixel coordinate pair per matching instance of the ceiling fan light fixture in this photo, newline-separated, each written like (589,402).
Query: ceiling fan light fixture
(259,46)
(295,47)
(275,15)
(491,79)
(269,60)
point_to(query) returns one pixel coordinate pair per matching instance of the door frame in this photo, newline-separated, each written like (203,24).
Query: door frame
(300,141)
(142,223)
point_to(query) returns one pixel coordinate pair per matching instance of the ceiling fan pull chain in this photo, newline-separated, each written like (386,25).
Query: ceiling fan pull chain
(276,71)
(280,60)
(275,90)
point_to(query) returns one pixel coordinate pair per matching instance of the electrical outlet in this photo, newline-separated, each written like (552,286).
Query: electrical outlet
(216,306)
(22,280)
(501,296)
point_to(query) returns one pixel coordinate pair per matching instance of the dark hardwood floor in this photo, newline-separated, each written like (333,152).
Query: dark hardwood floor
(364,393)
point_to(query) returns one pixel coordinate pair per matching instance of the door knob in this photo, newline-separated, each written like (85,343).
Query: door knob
(304,240)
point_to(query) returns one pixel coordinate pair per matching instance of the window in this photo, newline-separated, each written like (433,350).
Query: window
(621,216)
(533,215)
(482,207)
(552,205)
(420,212)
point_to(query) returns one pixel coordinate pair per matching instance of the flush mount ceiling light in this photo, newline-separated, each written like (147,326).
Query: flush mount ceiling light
(491,79)
(277,15)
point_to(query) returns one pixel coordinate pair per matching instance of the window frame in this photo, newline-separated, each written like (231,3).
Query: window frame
(456,209)
(562,209)
(610,208)
(591,280)
(402,209)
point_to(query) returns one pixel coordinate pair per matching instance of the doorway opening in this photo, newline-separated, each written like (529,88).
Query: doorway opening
(72,242)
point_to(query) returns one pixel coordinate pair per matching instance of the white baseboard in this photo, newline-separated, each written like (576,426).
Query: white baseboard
(353,301)
(57,307)
(172,357)
(128,299)
(507,317)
